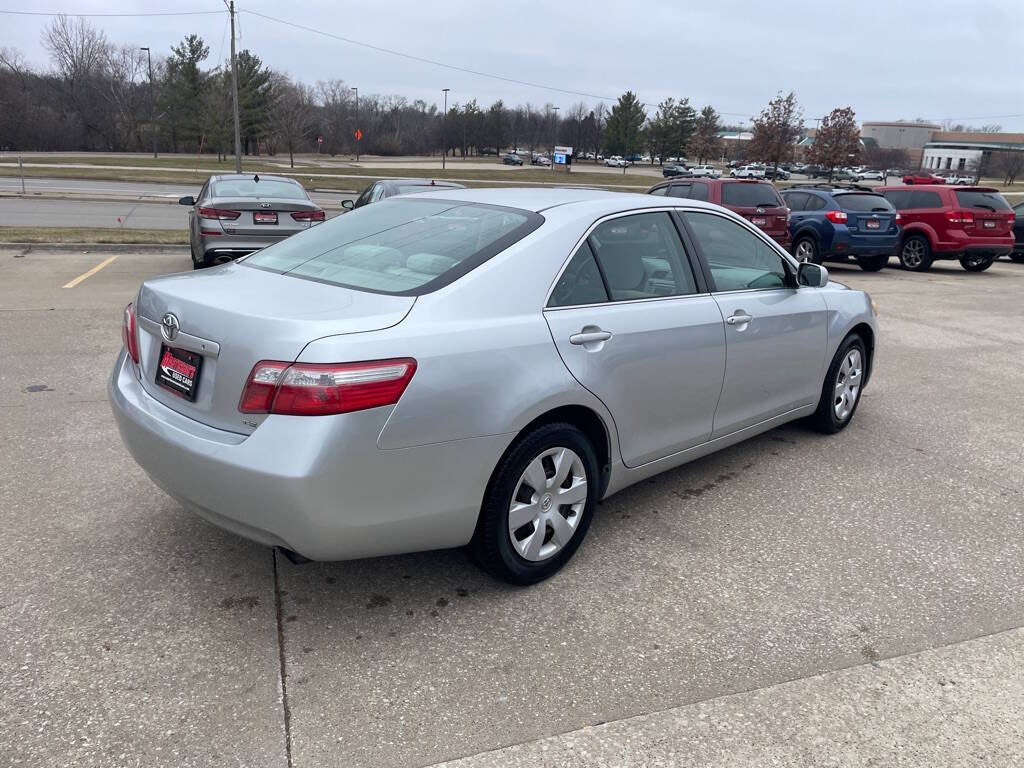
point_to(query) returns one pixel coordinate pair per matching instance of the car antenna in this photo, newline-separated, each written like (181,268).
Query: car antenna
(256,178)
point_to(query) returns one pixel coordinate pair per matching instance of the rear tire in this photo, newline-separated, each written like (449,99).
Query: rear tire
(507,554)
(872,263)
(806,249)
(976,263)
(844,382)
(916,254)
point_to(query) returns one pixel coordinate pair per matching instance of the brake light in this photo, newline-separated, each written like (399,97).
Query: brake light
(898,218)
(960,217)
(129,334)
(320,389)
(309,216)
(836,217)
(218,213)
(788,214)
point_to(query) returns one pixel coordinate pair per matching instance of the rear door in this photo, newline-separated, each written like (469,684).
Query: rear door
(634,325)
(759,203)
(776,335)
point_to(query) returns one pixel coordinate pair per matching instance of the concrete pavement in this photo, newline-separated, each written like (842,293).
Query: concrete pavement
(758,587)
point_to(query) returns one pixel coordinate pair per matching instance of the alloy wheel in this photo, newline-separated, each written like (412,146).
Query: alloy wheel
(805,250)
(548,504)
(848,384)
(913,254)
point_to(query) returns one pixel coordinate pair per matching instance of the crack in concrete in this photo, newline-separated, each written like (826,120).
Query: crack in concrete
(283,674)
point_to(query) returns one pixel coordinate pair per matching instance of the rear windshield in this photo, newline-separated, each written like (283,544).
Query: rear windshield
(263,188)
(864,203)
(744,195)
(401,246)
(989,201)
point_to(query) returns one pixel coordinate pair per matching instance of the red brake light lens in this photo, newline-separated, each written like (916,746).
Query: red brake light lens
(129,334)
(321,389)
(309,216)
(898,218)
(836,217)
(218,213)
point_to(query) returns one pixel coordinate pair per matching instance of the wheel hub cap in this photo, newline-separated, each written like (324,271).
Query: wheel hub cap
(848,384)
(547,505)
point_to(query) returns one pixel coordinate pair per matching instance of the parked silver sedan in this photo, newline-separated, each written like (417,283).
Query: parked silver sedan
(236,214)
(477,367)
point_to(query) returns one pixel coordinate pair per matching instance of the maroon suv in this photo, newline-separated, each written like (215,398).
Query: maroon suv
(972,224)
(752,199)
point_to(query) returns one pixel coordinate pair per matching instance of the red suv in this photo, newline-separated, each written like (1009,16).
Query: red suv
(972,224)
(752,199)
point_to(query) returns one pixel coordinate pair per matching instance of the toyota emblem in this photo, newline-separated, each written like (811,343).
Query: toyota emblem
(169,327)
(760,210)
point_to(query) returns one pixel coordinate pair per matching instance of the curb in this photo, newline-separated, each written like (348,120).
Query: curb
(99,247)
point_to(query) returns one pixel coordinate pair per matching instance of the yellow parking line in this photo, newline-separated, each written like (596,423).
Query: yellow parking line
(90,273)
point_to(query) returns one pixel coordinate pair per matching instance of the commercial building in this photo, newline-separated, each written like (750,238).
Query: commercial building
(971,152)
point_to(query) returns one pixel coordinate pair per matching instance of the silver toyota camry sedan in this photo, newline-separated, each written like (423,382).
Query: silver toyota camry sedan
(476,367)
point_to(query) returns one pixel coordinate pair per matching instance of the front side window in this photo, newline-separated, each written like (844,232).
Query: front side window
(641,257)
(404,246)
(738,259)
(900,198)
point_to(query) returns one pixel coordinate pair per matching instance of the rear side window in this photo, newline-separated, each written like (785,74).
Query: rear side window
(919,199)
(743,195)
(262,188)
(863,203)
(989,201)
(580,283)
(401,246)
(641,257)
(815,203)
(659,191)
(679,190)
(698,191)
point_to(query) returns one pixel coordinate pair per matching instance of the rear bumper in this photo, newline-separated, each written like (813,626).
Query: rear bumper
(846,243)
(973,246)
(317,485)
(235,246)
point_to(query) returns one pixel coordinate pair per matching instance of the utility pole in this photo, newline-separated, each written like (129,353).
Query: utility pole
(234,90)
(152,100)
(444,137)
(357,131)
(554,121)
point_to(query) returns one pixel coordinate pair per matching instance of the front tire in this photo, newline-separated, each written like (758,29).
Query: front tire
(872,263)
(916,254)
(538,505)
(840,393)
(976,263)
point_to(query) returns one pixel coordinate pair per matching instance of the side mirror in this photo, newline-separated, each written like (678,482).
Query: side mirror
(814,275)
(186,200)
(348,205)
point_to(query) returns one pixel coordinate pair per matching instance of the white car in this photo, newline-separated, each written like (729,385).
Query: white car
(706,171)
(871,176)
(616,161)
(960,180)
(747,172)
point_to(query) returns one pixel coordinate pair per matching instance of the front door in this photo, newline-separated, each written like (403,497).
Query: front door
(632,326)
(776,335)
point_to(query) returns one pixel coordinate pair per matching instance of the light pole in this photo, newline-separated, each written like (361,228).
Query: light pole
(444,118)
(554,120)
(357,123)
(152,105)
(234,89)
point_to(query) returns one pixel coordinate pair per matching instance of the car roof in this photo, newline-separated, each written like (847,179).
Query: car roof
(543,198)
(426,183)
(250,176)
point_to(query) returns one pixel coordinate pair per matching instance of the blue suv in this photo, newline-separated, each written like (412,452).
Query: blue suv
(830,222)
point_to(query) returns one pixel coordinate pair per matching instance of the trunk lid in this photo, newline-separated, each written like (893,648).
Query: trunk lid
(234,316)
(262,217)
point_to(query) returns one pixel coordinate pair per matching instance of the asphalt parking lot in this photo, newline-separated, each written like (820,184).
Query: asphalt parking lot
(794,600)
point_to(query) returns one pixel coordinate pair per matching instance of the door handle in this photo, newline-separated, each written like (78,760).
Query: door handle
(589,337)
(740,318)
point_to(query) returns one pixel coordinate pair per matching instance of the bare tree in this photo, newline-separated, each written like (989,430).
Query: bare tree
(1009,164)
(777,128)
(292,113)
(836,140)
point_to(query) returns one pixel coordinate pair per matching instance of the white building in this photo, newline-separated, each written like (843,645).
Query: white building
(961,151)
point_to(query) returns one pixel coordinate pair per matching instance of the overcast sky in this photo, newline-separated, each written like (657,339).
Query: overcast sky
(894,59)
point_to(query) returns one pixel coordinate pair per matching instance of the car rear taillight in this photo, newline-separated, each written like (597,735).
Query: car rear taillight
(836,217)
(321,389)
(218,213)
(309,216)
(965,218)
(129,333)
(898,218)
(789,213)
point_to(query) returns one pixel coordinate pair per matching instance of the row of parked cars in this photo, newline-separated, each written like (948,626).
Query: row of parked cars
(841,222)
(919,223)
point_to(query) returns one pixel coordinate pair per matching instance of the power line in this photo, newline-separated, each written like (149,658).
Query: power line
(111,15)
(423,60)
